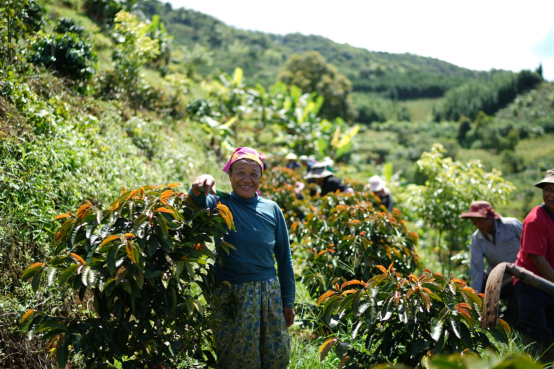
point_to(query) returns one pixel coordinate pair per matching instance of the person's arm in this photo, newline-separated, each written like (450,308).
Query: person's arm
(284,266)
(477,265)
(543,266)
(201,188)
(518,227)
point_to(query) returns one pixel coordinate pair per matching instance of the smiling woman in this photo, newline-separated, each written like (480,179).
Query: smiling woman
(251,317)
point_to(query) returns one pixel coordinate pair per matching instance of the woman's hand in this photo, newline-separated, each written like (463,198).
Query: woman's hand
(289,315)
(205,183)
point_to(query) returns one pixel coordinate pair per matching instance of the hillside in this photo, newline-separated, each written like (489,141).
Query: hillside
(397,76)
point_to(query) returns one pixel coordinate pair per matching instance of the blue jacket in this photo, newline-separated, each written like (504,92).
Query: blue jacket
(261,234)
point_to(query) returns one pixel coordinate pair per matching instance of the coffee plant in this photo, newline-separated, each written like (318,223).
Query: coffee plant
(346,241)
(67,53)
(403,319)
(278,184)
(143,265)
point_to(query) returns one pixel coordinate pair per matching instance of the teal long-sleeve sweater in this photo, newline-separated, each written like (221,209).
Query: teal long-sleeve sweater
(261,232)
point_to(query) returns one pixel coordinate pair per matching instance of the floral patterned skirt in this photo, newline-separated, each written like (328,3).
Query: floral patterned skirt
(249,326)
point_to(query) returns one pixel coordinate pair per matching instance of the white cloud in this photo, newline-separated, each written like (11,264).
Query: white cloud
(474,34)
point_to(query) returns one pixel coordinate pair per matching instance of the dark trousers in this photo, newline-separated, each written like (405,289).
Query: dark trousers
(536,318)
(507,293)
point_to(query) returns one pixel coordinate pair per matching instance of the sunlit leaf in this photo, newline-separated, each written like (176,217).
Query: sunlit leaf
(325,296)
(326,347)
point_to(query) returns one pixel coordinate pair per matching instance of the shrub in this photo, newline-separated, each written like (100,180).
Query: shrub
(66,53)
(346,241)
(137,261)
(278,185)
(450,187)
(402,319)
(68,25)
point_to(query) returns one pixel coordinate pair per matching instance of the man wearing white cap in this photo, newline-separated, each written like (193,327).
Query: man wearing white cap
(379,188)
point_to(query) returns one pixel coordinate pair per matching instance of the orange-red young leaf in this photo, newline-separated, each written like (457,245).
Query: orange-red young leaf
(428,271)
(108,240)
(343,361)
(174,184)
(326,347)
(381,268)
(468,289)
(34,265)
(26,315)
(460,281)
(61,216)
(166,194)
(225,214)
(482,295)
(325,296)
(347,292)
(130,251)
(294,226)
(58,235)
(464,312)
(463,305)
(78,258)
(123,190)
(349,283)
(505,325)
(128,236)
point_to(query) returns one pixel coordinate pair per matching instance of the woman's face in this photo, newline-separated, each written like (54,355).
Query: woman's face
(245,178)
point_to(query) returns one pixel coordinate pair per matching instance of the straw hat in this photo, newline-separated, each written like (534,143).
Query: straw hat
(291,156)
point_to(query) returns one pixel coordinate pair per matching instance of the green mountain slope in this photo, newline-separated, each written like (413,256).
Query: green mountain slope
(398,76)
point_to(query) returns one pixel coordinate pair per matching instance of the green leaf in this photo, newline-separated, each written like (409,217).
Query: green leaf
(36,280)
(419,346)
(387,310)
(51,324)
(436,328)
(63,351)
(455,327)
(30,272)
(356,302)
(67,273)
(466,336)
(441,341)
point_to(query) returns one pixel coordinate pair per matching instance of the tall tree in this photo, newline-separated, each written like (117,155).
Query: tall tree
(311,73)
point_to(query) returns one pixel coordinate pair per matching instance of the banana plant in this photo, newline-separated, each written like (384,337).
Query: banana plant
(220,135)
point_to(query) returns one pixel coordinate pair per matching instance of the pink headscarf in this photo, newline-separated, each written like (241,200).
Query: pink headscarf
(244,153)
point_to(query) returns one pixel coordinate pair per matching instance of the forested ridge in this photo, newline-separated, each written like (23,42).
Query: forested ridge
(109,109)
(398,76)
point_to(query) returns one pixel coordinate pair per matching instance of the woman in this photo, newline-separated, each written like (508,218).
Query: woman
(253,315)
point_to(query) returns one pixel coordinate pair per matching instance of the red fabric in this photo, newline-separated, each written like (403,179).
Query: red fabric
(537,238)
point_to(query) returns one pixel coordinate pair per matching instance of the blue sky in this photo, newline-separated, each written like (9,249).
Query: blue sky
(481,35)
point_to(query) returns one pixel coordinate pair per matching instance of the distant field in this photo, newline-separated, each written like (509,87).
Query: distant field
(421,109)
